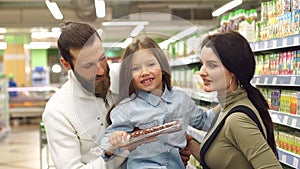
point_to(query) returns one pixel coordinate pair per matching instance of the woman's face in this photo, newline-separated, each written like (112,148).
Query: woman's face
(214,75)
(146,71)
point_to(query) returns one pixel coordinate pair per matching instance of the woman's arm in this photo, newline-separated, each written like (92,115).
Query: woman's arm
(194,147)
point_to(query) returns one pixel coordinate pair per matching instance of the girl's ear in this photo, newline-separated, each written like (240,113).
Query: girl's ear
(66,64)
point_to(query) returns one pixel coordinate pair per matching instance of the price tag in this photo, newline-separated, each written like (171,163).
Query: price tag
(256,46)
(293,80)
(294,122)
(274,80)
(257,81)
(274,43)
(285,120)
(295,162)
(266,80)
(296,40)
(283,158)
(284,42)
(266,44)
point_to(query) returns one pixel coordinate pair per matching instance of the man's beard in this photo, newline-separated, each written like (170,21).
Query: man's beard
(98,88)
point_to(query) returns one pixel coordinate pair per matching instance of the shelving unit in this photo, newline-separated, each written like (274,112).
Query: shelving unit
(284,82)
(277,80)
(4,116)
(268,81)
(30,101)
(276,44)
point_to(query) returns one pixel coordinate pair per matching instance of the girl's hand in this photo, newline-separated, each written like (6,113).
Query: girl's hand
(117,138)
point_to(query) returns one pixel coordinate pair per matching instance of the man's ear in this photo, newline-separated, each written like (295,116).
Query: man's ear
(66,65)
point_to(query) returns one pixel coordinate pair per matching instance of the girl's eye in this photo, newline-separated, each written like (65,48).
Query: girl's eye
(135,69)
(152,64)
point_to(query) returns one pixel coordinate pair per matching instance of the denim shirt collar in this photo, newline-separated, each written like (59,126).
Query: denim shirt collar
(153,99)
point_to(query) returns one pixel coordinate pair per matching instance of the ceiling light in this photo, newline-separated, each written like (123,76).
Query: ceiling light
(227,7)
(129,23)
(137,30)
(3,30)
(112,45)
(100,8)
(126,42)
(54,9)
(56,68)
(178,36)
(41,35)
(39,45)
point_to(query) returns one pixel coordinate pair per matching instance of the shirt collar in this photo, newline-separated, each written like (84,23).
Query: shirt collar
(153,99)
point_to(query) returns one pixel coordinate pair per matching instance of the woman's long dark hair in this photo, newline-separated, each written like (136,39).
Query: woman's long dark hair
(126,86)
(236,55)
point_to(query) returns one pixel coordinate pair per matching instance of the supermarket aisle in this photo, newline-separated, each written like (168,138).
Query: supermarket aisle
(21,148)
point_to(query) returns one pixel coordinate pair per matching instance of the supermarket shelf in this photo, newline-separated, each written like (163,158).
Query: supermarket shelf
(26,112)
(288,158)
(184,60)
(201,95)
(277,80)
(277,43)
(285,119)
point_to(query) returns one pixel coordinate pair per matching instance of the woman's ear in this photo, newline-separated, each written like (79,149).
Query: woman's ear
(66,64)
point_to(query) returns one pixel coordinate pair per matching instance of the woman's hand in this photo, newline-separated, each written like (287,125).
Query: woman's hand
(186,153)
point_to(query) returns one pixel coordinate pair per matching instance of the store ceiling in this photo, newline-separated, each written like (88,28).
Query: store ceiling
(19,16)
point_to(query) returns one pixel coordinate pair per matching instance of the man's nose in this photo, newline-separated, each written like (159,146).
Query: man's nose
(100,69)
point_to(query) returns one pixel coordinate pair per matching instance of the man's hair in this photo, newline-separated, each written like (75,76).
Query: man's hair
(75,35)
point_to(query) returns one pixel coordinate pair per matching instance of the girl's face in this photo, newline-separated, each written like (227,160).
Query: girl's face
(214,75)
(146,72)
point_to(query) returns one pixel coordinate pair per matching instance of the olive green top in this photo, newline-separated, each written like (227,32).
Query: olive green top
(239,144)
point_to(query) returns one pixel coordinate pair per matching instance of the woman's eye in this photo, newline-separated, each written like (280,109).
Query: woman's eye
(212,66)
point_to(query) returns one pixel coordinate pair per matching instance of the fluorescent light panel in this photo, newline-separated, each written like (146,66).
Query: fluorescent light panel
(137,30)
(40,45)
(129,23)
(3,30)
(100,8)
(178,36)
(126,42)
(54,9)
(227,7)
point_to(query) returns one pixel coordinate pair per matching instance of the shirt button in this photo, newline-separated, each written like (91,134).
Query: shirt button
(101,124)
(98,118)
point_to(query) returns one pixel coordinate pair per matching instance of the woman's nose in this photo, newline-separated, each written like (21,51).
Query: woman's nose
(203,71)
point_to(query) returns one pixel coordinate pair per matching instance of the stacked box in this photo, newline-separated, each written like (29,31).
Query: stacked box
(275,100)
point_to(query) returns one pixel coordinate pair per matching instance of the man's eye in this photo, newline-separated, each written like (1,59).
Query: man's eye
(102,58)
(88,65)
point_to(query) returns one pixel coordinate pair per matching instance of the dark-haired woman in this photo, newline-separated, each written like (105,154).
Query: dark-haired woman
(228,66)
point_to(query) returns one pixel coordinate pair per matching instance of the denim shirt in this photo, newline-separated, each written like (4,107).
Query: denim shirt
(147,110)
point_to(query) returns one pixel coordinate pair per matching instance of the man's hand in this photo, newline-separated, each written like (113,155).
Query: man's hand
(186,153)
